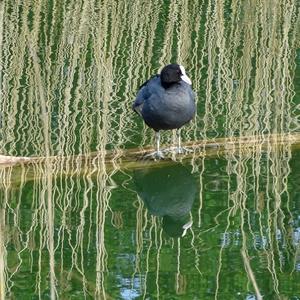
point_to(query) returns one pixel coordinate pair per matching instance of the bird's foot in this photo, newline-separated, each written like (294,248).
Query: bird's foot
(178,150)
(156,155)
(183,150)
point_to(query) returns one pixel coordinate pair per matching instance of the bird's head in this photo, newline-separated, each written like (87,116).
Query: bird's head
(173,73)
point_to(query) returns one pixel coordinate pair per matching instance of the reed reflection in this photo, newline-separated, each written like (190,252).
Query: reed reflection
(168,192)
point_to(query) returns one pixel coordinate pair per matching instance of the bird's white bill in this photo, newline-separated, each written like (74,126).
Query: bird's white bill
(184,77)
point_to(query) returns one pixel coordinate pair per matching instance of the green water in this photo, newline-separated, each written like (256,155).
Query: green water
(223,224)
(140,257)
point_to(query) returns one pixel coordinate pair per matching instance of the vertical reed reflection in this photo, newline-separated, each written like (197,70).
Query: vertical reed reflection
(2,254)
(68,74)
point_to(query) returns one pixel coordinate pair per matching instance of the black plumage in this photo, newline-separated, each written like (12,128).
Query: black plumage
(166,101)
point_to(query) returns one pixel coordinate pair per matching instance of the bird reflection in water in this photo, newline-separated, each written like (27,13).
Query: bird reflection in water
(168,192)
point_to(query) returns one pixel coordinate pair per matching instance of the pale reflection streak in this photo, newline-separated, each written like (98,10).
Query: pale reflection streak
(2,254)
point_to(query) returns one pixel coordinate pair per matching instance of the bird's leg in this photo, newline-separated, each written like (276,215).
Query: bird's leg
(179,149)
(157,154)
(157,141)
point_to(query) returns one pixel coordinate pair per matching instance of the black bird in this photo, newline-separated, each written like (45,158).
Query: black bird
(165,102)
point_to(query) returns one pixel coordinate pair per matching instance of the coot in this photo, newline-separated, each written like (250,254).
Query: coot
(166,101)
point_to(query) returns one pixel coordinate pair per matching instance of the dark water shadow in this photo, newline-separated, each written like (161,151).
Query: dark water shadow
(168,192)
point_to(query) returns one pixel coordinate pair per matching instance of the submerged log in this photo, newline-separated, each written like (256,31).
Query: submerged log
(128,159)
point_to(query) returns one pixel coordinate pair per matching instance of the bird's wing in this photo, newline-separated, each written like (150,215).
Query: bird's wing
(142,96)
